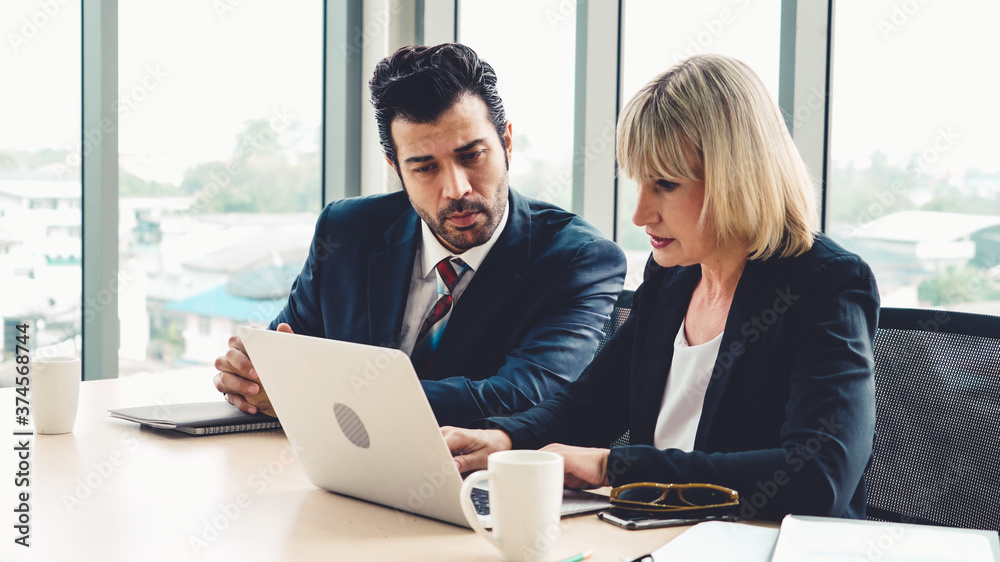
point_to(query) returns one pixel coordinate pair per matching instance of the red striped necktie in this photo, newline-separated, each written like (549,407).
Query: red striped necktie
(433,326)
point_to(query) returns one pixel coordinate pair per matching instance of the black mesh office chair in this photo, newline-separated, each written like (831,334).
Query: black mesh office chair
(623,307)
(937,443)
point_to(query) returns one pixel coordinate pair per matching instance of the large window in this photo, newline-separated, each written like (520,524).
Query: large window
(220,112)
(914,185)
(40,216)
(219,118)
(659,33)
(531,45)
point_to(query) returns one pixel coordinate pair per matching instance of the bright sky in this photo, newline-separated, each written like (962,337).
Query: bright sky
(535,78)
(902,81)
(904,71)
(190,75)
(40,66)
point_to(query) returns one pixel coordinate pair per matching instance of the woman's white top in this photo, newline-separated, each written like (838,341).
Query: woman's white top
(684,396)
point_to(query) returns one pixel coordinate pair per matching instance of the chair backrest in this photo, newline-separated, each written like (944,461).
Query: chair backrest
(623,307)
(937,430)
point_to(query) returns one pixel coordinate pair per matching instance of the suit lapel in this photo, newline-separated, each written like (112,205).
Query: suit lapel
(735,342)
(389,273)
(487,293)
(658,351)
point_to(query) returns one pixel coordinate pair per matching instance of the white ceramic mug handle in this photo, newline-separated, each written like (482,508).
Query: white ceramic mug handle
(470,511)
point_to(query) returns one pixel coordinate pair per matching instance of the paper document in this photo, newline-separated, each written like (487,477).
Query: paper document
(826,539)
(719,540)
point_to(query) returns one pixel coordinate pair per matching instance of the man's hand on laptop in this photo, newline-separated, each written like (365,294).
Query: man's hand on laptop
(470,447)
(237,379)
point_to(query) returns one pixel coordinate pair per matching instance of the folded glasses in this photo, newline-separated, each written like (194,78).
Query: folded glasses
(654,497)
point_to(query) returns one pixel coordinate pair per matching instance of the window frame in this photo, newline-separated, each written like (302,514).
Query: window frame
(358,33)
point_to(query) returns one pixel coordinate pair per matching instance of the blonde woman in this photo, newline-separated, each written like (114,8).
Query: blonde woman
(747,360)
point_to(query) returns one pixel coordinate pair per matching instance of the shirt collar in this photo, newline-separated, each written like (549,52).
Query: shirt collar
(432,251)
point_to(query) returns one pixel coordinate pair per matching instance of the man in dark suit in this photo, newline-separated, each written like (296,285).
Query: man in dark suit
(499,299)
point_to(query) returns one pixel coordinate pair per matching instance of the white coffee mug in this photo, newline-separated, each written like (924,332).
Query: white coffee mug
(54,393)
(526,490)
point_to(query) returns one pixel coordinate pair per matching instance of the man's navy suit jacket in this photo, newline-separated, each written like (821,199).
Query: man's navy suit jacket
(527,324)
(788,417)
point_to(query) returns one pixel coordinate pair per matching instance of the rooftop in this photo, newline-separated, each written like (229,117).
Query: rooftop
(218,303)
(41,189)
(926,226)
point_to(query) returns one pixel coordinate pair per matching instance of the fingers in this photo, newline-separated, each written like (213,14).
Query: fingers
(472,447)
(238,363)
(462,441)
(261,402)
(241,403)
(228,383)
(231,396)
(463,448)
(572,482)
(555,448)
(237,360)
(237,379)
(472,461)
(236,343)
(456,439)
(466,446)
(584,467)
(469,448)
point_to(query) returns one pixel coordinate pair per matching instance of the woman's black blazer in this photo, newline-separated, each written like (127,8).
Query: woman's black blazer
(788,417)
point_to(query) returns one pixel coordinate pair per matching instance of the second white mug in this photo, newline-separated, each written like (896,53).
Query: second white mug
(54,394)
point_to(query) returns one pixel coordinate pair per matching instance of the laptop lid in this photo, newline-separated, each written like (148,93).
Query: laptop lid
(359,421)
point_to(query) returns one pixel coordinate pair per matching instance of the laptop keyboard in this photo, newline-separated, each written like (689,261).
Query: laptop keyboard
(481,501)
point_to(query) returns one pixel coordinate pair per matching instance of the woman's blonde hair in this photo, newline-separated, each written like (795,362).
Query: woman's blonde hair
(709,118)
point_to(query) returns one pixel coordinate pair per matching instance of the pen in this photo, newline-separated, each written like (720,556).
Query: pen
(578,557)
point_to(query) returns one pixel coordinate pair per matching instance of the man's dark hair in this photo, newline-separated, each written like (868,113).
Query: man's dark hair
(419,84)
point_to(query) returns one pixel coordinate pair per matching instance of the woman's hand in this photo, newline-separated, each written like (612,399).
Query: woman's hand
(470,447)
(584,467)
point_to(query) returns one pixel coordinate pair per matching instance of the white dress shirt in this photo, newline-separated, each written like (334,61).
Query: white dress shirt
(684,396)
(423,281)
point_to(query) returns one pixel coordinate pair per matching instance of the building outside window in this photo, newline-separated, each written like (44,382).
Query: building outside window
(219,169)
(40,246)
(914,185)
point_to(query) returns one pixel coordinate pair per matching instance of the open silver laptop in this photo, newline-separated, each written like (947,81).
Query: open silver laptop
(361,426)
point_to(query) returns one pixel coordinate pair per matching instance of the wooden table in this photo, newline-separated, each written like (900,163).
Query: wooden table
(113,490)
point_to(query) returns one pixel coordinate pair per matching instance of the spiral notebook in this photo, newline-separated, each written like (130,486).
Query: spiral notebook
(197,418)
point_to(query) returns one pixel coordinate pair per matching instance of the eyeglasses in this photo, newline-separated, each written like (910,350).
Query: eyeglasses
(674,498)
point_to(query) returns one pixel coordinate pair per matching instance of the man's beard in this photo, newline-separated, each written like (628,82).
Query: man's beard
(469,237)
